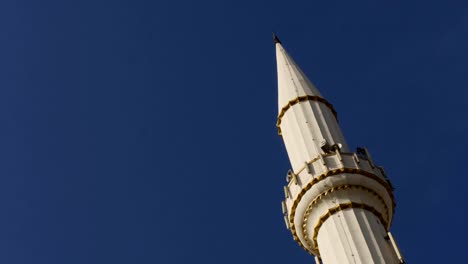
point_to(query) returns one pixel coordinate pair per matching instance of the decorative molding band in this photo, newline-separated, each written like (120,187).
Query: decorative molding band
(323,176)
(323,194)
(303,99)
(342,207)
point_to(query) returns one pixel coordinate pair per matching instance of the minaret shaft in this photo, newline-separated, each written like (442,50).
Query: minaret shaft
(339,205)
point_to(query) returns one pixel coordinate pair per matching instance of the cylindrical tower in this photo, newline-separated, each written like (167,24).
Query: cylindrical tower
(339,205)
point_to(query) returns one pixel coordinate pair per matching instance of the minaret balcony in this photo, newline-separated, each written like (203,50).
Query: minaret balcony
(334,181)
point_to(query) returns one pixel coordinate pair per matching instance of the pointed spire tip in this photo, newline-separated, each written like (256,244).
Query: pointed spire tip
(276,39)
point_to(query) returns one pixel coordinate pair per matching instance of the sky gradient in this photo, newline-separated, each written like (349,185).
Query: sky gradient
(144,131)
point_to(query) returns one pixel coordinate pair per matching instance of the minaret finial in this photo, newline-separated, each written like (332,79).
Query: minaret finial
(276,39)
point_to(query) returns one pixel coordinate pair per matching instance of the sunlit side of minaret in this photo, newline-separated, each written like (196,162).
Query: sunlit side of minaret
(338,204)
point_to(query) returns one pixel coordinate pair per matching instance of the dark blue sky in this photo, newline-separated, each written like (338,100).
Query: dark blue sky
(144,131)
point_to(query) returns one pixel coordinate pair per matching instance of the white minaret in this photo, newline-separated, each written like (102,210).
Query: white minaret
(339,205)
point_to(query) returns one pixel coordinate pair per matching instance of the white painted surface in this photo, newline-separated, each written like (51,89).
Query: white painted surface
(307,124)
(352,235)
(291,78)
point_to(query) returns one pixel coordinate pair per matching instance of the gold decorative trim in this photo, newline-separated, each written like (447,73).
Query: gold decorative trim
(342,207)
(328,174)
(303,99)
(323,194)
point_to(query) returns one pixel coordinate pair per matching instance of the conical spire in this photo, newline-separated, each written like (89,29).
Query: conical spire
(292,82)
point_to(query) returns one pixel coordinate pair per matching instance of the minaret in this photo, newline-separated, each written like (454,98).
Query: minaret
(338,204)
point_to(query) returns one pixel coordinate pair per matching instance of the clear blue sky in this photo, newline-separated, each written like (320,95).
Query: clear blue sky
(144,131)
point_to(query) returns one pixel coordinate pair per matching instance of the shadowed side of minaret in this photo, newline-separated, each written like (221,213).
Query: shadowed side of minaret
(338,205)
